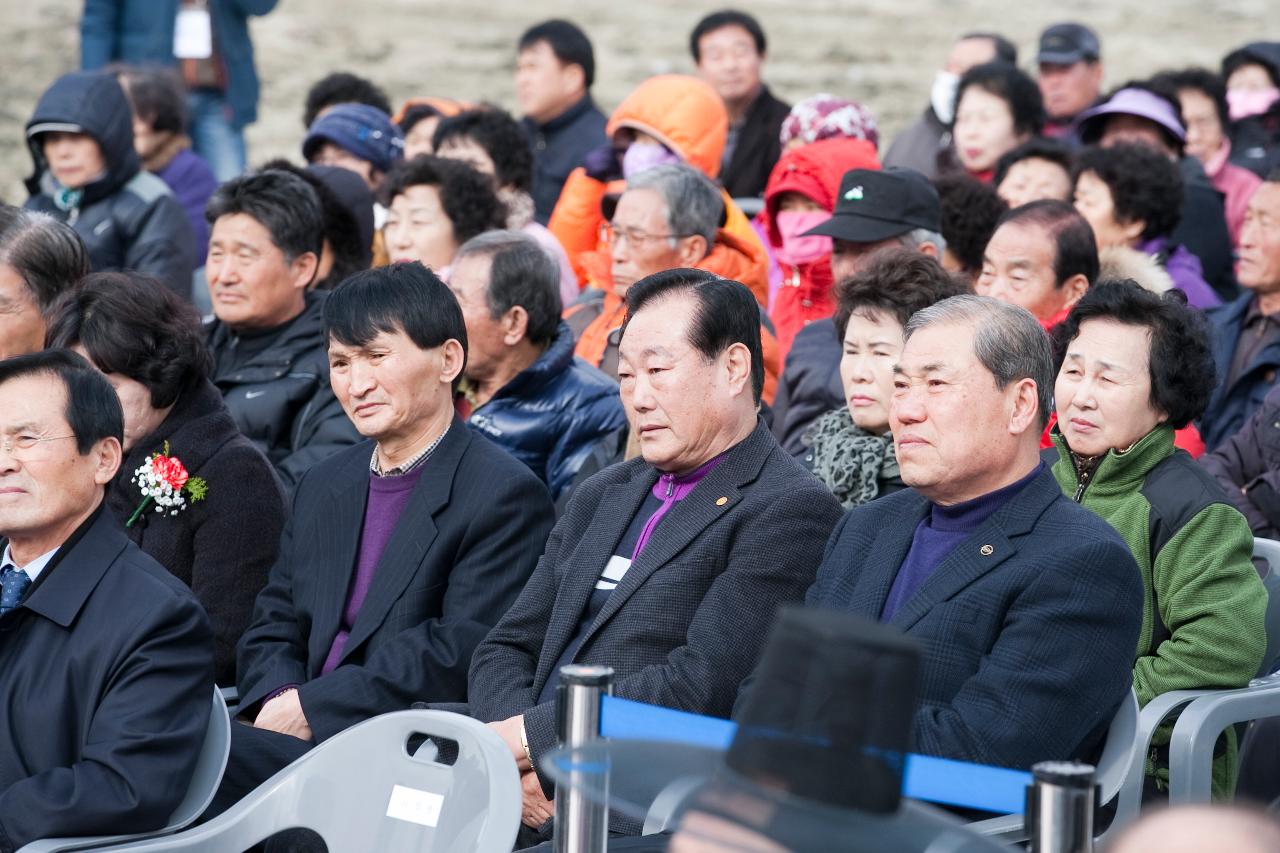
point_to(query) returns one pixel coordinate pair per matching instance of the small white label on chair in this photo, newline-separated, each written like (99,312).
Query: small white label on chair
(414,806)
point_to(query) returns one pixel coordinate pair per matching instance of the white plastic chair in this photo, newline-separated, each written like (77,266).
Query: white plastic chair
(363,790)
(1207,714)
(1114,764)
(204,784)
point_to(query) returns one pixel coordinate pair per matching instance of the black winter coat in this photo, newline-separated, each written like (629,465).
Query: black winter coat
(129,219)
(758,148)
(1247,465)
(553,413)
(223,546)
(280,398)
(810,385)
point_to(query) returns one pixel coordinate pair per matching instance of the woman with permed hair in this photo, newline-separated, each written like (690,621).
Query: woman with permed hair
(1133,366)
(1132,196)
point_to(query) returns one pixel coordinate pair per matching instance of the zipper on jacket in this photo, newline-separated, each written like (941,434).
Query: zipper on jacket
(1084,470)
(671,485)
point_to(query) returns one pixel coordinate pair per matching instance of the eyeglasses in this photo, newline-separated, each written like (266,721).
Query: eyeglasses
(13,445)
(634,236)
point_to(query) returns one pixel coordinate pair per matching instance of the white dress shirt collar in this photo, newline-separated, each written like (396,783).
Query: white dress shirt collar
(34,568)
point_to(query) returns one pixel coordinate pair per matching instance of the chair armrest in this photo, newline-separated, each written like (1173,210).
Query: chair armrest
(1008,827)
(663,807)
(1129,800)
(1198,728)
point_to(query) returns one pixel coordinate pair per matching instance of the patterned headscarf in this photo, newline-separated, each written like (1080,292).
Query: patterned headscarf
(825,116)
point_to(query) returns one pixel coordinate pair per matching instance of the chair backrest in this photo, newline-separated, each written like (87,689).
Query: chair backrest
(209,767)
(205,779)
(1117,751)
(1269,550)
(365,789)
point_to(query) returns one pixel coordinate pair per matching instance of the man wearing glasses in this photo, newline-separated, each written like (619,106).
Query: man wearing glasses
(107,658)
(668,218)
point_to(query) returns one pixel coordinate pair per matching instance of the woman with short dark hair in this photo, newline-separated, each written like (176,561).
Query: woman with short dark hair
(433,207)
(493,143)
(850,449)
(1134,366)
(1132,196)
(150,346)
(998,108)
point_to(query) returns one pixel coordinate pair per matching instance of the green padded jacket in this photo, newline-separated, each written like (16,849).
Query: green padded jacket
(1202,620)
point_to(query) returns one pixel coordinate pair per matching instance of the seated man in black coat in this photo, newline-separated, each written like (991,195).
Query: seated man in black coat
(107,659)
(669,567)
(1027,605)
(399,553)
(267,340)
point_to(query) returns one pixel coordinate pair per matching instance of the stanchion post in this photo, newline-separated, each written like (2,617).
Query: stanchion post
(1060,805)
(581,822)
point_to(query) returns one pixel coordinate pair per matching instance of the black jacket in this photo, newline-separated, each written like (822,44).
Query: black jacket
(552,413)
(810,385)
(687,622)
(758,147)
(105,699)
(128,218)
(465,545)
(1020,664)
(221,546)
(558,148)
(280,397)
(1255,141)
(1247,466)
(1203,229)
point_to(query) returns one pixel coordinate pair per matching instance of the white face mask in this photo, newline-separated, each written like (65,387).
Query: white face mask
(943,95)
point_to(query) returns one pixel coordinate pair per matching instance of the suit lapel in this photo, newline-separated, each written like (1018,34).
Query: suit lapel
(613,514)
(414,533)
(337,539)
(880,564)
(994,542)
(690,517)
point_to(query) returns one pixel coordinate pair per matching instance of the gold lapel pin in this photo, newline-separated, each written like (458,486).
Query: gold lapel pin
(721,501)
(986,550)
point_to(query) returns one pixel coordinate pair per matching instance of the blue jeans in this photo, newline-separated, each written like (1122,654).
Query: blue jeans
(213,135)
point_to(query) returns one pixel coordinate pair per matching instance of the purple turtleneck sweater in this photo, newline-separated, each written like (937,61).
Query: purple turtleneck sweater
(662,498)
(939,533)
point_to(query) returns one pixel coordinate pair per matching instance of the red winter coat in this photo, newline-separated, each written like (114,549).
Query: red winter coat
(814,171)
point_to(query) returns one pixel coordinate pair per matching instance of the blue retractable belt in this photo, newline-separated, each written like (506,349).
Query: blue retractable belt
(934,780)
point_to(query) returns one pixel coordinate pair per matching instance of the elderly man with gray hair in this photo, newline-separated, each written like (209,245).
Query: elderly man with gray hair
(668,218)
(40,259)
(1028,606)
(523,387)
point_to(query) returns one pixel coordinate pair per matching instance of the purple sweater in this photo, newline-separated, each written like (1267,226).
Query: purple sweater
(1185,270)
(192,183)
(388,496)
(939,533)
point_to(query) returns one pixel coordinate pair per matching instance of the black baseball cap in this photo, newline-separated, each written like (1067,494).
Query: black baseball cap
(875,205)
(1067,44)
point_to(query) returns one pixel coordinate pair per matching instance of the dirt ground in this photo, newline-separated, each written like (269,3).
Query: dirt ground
(883,53)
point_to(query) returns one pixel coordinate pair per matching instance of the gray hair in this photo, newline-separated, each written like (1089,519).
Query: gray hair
(1007,340)
(694,204)
(47,254)
(917,237)
(522,273)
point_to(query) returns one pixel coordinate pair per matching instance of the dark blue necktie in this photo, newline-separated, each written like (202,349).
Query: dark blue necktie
(13,585)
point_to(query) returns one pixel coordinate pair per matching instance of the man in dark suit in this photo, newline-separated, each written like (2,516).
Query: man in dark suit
(400,552)
(669,567)
(106,660)
(1028,606)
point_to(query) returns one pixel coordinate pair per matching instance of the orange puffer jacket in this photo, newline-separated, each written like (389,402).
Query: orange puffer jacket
(687,116)
(814,171)
(596,318)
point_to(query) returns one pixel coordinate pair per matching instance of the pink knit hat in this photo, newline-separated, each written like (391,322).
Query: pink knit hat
(825,116)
